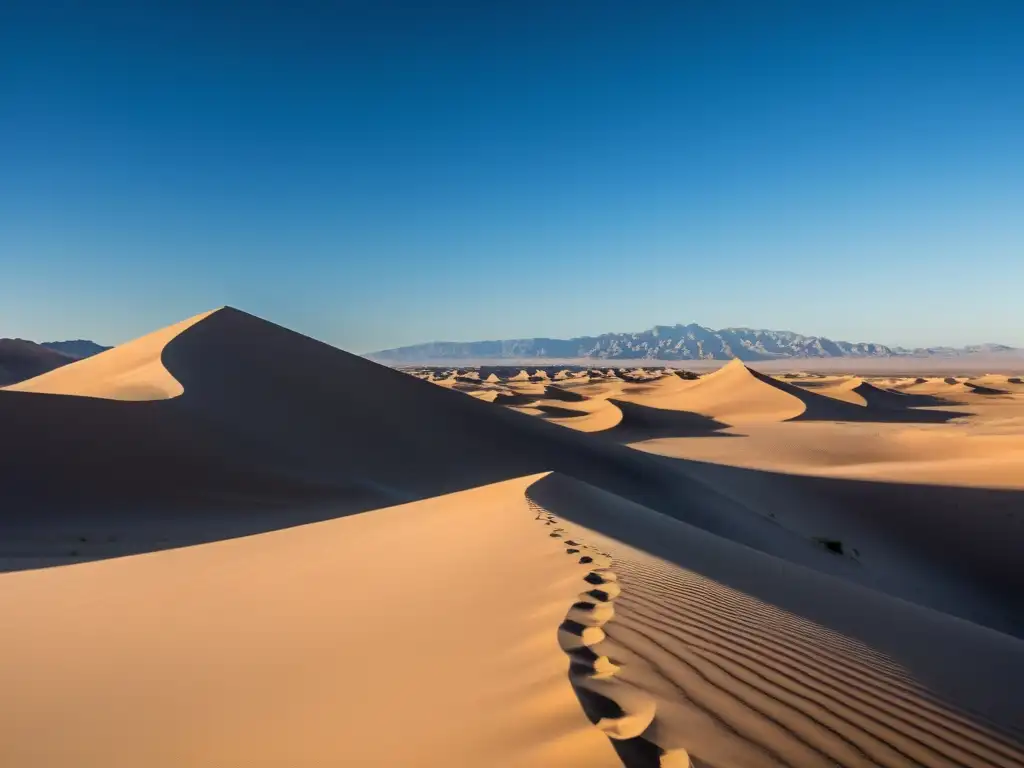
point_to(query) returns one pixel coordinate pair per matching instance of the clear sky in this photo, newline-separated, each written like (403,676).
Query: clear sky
(380,173)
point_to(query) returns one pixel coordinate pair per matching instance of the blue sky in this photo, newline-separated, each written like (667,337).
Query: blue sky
(381,173)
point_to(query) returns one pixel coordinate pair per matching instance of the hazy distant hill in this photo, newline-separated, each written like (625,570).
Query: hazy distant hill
(77,348)
(21,359)
(668,342)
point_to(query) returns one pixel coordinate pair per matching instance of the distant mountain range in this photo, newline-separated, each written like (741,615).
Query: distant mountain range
(669,342)
(76,348)
(21,359)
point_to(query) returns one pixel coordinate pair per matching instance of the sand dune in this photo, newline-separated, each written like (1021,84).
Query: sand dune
(997,381)
(965,456)
(487,395)
(555,392)
(593,414)
(737,395)
(950,386)
(981,389)
(864,393)
(641,422)
(734,395)
(934,386)
(746,660)
(515,399)
(278,553)
(132,371)
(261,409)
(359,641)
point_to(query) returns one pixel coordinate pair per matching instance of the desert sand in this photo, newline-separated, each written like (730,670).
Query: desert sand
(229,544)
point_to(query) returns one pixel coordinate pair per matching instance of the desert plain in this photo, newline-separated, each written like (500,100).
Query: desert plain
(228,544)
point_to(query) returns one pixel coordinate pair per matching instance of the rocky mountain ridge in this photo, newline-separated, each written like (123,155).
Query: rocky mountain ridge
(670,342)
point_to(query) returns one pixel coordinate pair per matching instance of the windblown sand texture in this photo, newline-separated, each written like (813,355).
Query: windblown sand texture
(227,544)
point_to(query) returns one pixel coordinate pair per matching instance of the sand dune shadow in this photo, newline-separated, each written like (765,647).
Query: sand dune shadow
(896,410)
(642,422)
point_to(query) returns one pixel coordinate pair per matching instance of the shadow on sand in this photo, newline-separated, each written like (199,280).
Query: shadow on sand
(555,392)
(888,399)
(558,412)
(882,406)
(642,422)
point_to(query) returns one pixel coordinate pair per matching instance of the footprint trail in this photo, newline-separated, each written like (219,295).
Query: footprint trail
(625,714)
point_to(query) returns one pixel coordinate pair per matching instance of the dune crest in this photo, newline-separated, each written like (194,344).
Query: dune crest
(131,371)
(733,394)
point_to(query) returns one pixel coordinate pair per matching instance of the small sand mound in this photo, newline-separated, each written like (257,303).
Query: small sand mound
(877,397)
(979,389)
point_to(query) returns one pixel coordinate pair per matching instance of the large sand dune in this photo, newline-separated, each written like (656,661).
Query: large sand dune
(752,661)
(421,635)
(276,553)
(733,394)
(132,371)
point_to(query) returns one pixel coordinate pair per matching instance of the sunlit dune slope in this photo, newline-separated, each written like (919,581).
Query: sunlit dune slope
(132,371)
(421,635)
(732,394)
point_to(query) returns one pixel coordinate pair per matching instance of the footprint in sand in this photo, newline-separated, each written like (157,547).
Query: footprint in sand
(585,662)
(607,591)
(601,577)
(591,614)
(623,713)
